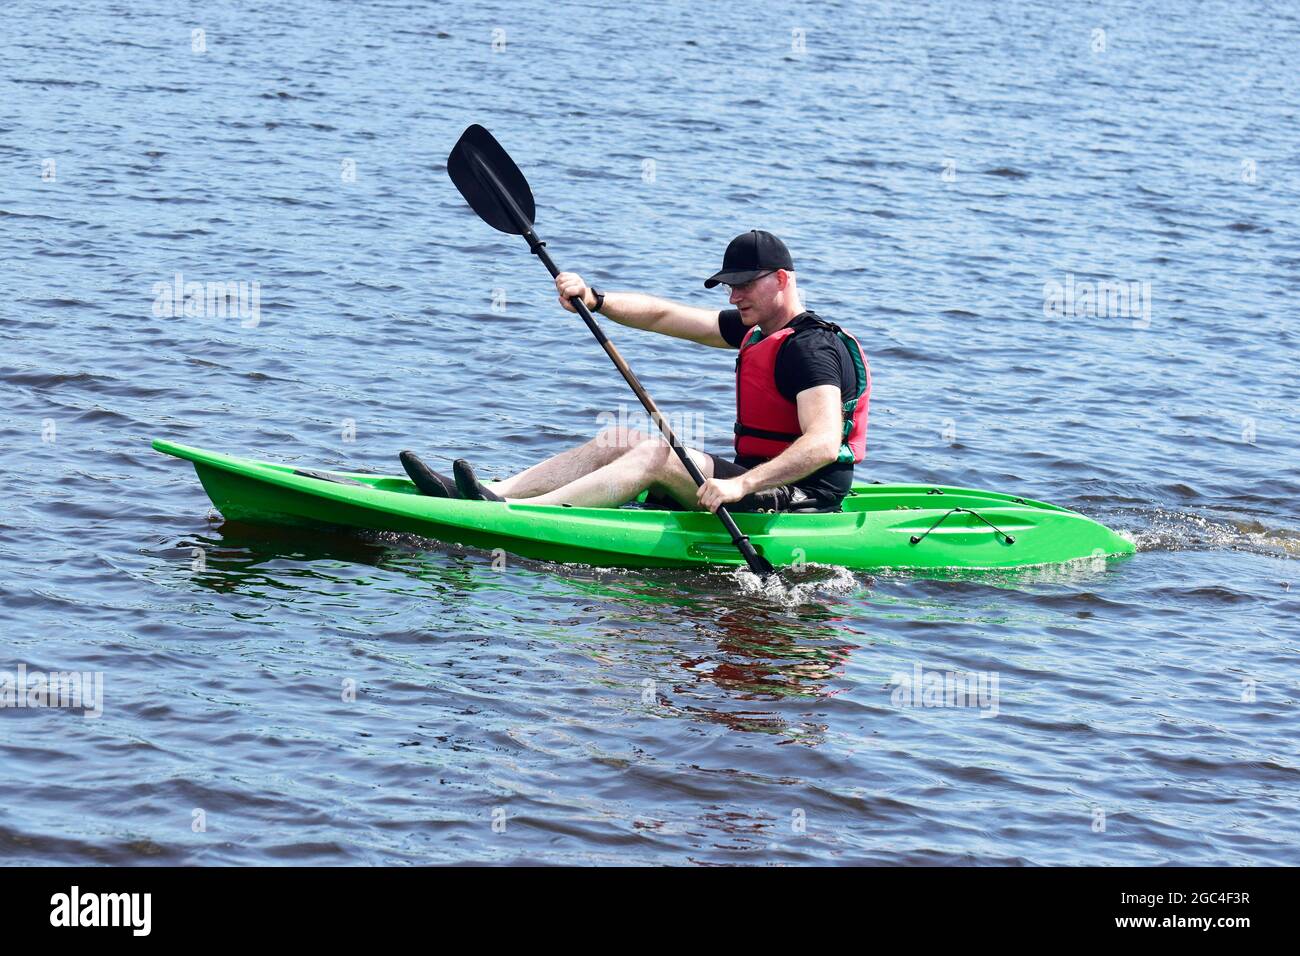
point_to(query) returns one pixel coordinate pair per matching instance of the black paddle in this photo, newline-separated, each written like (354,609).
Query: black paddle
(495,189)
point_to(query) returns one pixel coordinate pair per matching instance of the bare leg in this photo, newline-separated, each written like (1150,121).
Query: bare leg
(651,464)
(563,468)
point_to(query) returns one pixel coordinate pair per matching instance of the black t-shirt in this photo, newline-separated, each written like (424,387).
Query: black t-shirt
(814,356)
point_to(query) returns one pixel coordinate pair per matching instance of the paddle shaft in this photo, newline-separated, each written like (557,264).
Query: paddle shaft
(757,563)
(524,227)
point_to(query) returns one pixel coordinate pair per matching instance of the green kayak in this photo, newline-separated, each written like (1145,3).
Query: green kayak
(881,526)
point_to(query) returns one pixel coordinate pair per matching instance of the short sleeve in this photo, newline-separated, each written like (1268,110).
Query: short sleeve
(731,328)
(809,360)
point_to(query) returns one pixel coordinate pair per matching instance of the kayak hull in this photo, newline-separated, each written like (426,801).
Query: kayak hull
(882,526)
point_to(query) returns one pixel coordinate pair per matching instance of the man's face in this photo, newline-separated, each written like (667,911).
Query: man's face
(758,298)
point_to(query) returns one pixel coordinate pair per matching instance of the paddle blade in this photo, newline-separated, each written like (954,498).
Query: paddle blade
(491,182)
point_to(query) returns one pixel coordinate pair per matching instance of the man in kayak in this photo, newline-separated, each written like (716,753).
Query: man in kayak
(802,392)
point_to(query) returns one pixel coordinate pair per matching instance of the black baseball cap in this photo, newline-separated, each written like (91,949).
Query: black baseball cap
(748,256)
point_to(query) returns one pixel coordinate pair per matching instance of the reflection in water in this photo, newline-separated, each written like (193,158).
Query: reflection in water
(726,642)
(761,654)
(240,560)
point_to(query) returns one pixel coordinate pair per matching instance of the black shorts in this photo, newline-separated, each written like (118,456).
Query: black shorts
(780,498)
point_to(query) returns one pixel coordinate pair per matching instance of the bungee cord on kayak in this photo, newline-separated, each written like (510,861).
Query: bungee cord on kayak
(918,538)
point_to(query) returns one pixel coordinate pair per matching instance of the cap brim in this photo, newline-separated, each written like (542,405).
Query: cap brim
(733,278)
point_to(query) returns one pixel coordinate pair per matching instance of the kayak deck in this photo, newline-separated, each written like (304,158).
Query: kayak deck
(881,526)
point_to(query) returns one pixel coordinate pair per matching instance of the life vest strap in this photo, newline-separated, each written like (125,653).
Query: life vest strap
(762,433)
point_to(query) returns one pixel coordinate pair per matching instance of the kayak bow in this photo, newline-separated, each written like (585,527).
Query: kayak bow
(881,526)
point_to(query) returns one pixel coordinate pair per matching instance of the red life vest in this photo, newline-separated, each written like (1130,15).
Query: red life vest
(767,423)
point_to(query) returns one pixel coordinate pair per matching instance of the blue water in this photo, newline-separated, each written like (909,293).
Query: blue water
(279,696)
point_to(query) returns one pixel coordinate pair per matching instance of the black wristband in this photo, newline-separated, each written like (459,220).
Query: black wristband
(600,299)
